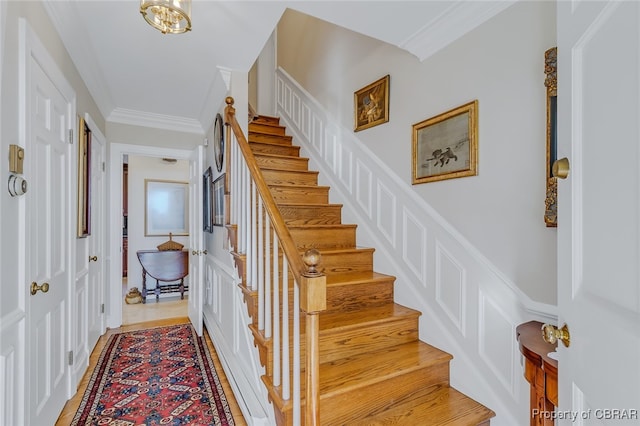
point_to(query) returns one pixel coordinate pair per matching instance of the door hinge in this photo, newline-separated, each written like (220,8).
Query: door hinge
(70,357)
(102,308)
(103,166)
(71,136)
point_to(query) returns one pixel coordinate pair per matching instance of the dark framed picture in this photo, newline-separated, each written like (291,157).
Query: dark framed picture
(371,104)
(218,201)
(446,146)
(207,201)
(218,142)
(84,179)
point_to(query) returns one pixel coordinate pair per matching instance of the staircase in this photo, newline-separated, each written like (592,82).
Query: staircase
(373,370)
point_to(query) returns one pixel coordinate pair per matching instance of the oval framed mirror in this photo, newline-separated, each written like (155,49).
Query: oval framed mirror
(218,142)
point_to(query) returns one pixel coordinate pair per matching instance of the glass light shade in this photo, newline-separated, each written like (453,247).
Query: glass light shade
(168,16)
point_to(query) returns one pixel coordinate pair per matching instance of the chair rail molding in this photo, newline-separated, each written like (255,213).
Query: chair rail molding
(469,307)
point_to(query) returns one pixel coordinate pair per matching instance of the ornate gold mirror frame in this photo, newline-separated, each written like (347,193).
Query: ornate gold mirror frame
(551,81)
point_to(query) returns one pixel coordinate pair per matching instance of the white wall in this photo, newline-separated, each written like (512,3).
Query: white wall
(141,135)
(141,168)
(501,63)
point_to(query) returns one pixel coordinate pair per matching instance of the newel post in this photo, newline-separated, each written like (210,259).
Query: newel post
(313,300)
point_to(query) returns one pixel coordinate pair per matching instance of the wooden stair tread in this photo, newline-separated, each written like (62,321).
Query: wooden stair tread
(272,169)
(256,137)
(285,157)
(344,374)
(365,317)
(308,205)
(351,278)
(324,227)
(261,118)
(439,405)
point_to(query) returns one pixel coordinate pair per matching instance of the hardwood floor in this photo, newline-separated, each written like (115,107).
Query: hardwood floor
(72,405)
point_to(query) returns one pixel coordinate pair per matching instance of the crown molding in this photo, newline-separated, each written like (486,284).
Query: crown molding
(158,121)
(457,20)
(81,53)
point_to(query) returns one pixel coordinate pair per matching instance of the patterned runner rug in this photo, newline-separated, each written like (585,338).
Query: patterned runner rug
(157,376)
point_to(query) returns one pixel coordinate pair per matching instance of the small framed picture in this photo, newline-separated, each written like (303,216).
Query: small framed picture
(218,201)
(371,104)
(207,201)
(446,146)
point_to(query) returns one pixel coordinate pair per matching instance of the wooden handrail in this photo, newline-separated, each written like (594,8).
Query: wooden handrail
(312,284)
(286,241)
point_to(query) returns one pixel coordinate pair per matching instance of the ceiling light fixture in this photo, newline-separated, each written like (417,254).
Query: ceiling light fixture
(168,16)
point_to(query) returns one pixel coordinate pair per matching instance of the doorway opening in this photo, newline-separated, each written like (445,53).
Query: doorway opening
(133,166)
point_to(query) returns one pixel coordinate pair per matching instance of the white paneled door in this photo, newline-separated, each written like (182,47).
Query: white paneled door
(48,107)
(196,238)
(599,212)
(96,257)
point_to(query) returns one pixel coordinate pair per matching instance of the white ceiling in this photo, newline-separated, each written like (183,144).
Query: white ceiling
(138,75)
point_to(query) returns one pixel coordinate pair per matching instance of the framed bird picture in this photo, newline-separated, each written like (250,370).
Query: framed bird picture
(446,146)
(371,104)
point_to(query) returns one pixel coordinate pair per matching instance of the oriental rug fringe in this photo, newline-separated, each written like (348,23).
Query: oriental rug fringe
(157,376)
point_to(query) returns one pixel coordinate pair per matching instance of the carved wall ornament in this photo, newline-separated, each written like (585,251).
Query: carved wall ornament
(551,82)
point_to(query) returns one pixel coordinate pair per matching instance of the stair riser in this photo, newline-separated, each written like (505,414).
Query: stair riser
(266,128)
(273,149)
(340,344)
(335,411)
(316,215)
(278,177)
(355,261)
(332,237)
(353,297)
(299,194)
(271,139)
(282,163)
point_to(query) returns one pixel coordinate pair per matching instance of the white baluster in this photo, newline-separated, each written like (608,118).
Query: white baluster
(242,225)
(296,353)
(260,259)
(268,278)
(286,391)
(276,313)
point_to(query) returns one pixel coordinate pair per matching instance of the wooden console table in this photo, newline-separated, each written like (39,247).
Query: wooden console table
(165,267)
(540,371)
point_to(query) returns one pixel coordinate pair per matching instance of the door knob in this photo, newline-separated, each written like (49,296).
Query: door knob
(93,258)
(35,287)
(551,334)
(560,168)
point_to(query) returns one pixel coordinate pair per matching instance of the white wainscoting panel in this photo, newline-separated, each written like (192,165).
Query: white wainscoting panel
(12,368)
(364,187)
(227,323)
(386,212)
(414,246)
(451,287)
(469,308)
(495,346)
